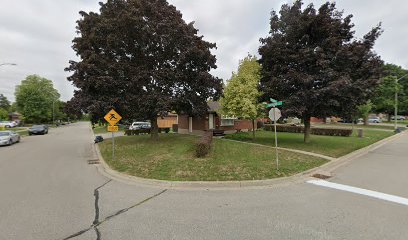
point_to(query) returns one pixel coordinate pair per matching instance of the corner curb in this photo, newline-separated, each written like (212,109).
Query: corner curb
(327,168)
(107,171)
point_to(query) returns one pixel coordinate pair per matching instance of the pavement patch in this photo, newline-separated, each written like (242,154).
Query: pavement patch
(361,191)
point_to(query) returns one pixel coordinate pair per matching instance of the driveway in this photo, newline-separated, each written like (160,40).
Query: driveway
(49,191)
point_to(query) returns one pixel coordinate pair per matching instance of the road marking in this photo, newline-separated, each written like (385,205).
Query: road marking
(362,191)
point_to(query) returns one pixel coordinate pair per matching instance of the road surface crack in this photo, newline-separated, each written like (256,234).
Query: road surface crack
(96,223)
(96,219)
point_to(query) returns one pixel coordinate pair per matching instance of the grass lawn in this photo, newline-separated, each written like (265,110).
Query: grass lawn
(172,158)
(326,145)
(23,133)
(104,129)
(399,122)
(349,126)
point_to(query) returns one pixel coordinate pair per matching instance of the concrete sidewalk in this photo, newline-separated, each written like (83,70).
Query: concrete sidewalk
(383,169)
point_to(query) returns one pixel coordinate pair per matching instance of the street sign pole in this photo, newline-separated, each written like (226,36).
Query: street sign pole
(276,139)
(274,116)
(113,146)
(112,117)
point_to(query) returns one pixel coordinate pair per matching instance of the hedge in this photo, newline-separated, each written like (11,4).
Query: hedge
(315,131)
(137,132)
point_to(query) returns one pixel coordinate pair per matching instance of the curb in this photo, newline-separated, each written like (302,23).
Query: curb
(325,169)
(107,171)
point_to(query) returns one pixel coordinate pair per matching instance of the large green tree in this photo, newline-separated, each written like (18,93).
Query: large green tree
(241,94)
(3,114)
(141,58)
(312,61)
(4,103)
(384,96)
(35,97)
(363,111)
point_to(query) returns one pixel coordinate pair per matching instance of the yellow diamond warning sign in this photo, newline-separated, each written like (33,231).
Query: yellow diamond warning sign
(112,117)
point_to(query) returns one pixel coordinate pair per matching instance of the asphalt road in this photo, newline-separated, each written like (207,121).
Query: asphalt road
(49,191)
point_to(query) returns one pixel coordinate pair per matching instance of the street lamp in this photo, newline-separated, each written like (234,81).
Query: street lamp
(396,101)
(11,64)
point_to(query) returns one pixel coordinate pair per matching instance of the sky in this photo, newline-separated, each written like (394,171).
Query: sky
(37,35)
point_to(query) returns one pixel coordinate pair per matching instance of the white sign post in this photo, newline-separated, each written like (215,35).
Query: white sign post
(112,117)
(274,115)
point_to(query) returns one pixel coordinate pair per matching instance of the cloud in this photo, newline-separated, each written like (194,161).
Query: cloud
(37,34)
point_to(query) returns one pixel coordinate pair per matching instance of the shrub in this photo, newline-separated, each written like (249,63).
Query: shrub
(175,128)
(259,125)
(315,131)
(332,132)
(136,132)
(284,128)
(203,146)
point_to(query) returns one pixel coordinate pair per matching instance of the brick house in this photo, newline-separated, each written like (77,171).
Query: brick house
(212,120)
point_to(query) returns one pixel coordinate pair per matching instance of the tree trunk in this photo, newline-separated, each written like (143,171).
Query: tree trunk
(154,131)
(389,117)
(366,121)
(306,121)
(253,129)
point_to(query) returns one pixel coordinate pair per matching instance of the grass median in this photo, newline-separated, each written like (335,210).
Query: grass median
(333,146)
(172,158)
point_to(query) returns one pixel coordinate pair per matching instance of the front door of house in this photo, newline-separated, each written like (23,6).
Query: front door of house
(211,121)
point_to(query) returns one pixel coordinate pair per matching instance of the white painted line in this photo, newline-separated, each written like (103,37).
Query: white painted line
(369,193)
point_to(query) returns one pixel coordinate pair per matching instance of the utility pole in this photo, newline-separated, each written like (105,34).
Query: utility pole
(396,102)
(53,112)
(11,64)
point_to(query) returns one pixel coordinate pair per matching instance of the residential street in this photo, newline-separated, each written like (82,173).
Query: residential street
(49,191)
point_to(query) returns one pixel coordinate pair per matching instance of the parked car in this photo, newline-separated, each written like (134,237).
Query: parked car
(8,124)
(374,120)
(9,137)
(140,125)
(38,129)
(398,118)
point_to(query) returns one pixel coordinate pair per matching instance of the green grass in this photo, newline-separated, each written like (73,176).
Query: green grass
(23,133)
(172,158)
(399,122)
(371,126)
(326,145)
(17,129)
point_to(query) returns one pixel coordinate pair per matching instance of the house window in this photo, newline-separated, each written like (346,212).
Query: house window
(227,121)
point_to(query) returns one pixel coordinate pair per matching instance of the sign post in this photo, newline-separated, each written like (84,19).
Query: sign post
(274,115)
(112,117)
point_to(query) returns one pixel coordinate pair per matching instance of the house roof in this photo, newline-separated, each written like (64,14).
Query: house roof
(213,106)
(14,114)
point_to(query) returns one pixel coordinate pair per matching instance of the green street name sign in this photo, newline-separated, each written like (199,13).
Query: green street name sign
(274,103)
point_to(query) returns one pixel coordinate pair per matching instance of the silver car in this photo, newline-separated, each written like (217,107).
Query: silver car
(9,137)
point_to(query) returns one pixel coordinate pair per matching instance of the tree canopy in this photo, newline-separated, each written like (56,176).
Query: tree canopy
(4,103)
(34,98)
(312,61)
(384,96)
(142,59)
(3,114)
(241,94)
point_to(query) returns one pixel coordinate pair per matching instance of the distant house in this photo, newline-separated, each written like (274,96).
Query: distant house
(212,120)
(167,121)
(14,116)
